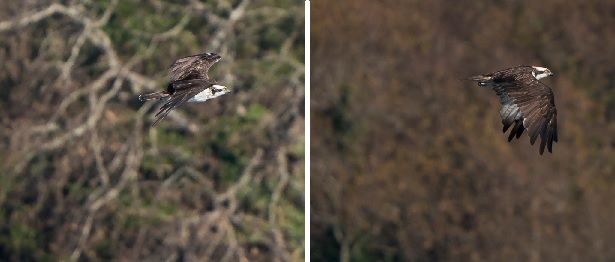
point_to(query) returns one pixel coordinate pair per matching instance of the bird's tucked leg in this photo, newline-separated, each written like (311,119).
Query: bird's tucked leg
(152,96)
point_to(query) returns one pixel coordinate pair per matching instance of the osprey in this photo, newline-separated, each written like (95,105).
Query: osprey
(189,82)
(527,104)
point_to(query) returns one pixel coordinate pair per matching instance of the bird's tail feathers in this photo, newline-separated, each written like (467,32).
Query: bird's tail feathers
(479,78)
(152,96)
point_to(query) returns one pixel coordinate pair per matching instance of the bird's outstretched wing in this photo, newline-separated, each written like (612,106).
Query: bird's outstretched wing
(183,91)
(192,67)
(528,104)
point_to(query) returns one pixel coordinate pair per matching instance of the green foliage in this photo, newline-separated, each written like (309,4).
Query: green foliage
(104,249)
(292,221)
(255,113)
(22,238)
(81,150)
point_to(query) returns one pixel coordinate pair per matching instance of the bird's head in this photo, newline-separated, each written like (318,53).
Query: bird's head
(540,72)
(212,57)
(218,90)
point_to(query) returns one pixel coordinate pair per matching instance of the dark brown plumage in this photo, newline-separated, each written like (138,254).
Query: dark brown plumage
(527,104)
(182,91)
(193,67)
(188,77)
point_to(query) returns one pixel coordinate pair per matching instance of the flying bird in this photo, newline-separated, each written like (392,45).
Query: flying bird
(527,104)
(189,82)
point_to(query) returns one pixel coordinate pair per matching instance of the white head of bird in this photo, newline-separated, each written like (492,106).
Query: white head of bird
(541,72)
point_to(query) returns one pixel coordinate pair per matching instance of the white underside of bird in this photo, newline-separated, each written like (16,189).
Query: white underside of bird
(207,94)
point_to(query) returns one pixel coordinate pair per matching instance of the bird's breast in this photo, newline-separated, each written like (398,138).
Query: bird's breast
(202,96)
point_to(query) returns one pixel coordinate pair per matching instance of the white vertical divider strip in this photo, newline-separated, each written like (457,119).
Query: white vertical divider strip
(307,130)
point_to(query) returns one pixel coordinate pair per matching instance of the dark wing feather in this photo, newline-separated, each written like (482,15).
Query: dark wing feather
(184,90)
(516,131)
(528,104)
(519,131)
(192,67)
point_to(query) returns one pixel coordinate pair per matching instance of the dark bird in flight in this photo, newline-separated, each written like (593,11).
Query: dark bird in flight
(527,104)
(189,82)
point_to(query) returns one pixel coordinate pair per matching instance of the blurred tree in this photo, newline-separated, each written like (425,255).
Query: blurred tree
(84,177)
(409,162)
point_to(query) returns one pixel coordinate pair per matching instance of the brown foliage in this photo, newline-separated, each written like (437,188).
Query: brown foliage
(409,162)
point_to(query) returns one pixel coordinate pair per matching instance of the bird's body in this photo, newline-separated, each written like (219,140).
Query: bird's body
(189,82)
(207,94)
(527,104)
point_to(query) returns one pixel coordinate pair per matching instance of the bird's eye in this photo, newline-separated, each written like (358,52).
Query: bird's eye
(217,89)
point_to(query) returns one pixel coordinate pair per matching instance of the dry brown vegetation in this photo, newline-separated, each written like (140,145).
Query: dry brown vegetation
(85,178)
(409,161)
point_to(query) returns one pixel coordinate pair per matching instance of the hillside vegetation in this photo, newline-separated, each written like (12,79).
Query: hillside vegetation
(85,177)
(409,161)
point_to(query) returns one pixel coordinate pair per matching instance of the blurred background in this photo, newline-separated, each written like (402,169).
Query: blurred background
(85,177)
(409,161)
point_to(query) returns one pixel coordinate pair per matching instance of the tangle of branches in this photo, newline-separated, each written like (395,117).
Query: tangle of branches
(85,177)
